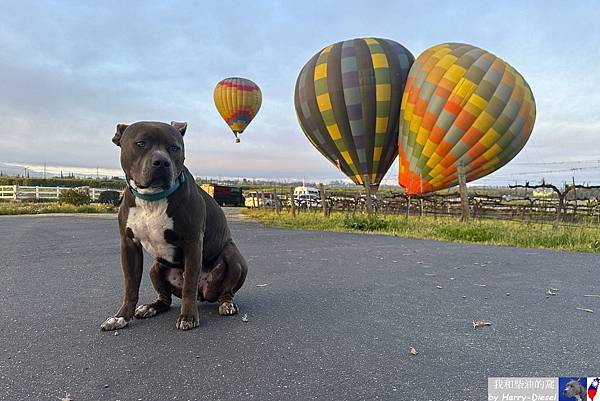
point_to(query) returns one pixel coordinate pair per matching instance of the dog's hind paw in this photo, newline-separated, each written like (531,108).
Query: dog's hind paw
(113,323)
(228,308)
(145,311)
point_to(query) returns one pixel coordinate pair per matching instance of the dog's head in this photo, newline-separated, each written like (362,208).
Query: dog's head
(574,389)
(152,153)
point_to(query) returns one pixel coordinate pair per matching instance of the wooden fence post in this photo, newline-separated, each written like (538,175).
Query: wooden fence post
(323,200)
(16,192)
(368,204)
(462,185)
(292,202)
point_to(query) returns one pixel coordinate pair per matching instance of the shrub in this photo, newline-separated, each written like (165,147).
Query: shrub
(110,197)
(74,197)
(365,222)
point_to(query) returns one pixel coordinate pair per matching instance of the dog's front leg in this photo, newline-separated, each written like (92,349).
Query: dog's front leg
(189,317)
(132,264)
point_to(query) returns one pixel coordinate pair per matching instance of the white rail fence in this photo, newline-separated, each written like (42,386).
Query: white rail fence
(21,192)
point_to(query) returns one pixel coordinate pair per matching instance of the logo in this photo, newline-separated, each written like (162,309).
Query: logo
(572,389)
(592,389)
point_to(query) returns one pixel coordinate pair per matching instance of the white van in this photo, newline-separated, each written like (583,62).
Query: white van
(303,190)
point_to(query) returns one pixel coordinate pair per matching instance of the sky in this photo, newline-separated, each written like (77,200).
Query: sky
(71,70)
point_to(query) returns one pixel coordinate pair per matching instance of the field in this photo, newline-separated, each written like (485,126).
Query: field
(579,238)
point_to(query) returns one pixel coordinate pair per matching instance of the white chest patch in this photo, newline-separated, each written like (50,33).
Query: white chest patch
(148,221)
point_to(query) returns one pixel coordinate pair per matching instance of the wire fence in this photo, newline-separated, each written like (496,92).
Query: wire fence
(571,205)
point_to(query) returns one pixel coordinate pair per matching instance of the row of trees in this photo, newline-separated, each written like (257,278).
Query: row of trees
(112,183)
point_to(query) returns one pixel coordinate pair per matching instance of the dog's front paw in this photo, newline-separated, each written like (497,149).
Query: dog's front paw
(187,322)
(227,309)
(145,311)
(114,323)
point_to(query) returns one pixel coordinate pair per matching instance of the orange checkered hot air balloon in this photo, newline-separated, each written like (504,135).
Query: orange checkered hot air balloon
(462,107)
(237,101)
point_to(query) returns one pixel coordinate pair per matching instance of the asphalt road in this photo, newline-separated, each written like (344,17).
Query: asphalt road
(335,321)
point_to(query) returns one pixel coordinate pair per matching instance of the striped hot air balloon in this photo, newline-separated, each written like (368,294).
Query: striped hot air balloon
(238,101)
(347,100)
(463,107)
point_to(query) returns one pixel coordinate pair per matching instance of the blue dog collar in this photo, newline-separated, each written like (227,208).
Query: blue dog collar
(159,195)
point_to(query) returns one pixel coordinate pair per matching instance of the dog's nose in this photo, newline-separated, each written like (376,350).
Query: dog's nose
(158,163)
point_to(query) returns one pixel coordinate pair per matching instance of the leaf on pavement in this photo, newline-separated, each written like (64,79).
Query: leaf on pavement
(480,323)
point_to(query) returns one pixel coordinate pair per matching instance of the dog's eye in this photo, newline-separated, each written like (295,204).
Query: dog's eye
(175,148)
(140,144)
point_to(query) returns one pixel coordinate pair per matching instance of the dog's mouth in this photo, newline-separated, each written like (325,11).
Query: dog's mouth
(154,186)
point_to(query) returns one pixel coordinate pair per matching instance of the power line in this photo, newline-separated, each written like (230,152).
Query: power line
(555,171)
(553,163)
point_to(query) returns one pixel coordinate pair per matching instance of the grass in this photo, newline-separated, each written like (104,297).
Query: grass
(493,232)
(14,208)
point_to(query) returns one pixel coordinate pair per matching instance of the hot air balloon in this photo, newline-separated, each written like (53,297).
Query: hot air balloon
(463,108)
(237,101)
(347,100)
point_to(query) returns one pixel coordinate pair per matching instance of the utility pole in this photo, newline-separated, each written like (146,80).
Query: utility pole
(462,187)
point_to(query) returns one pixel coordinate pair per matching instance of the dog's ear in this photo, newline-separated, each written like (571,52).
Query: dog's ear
(120,129)
(181,127)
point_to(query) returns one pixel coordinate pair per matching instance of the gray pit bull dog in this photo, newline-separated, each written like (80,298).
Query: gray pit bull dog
(574,389)
(184,229)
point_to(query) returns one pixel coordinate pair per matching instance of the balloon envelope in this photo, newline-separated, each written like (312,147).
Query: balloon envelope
(462,106)
(238,101)
(347,100)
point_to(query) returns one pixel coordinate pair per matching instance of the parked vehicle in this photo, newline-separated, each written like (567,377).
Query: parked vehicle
(307,201)
(304,190)
(260,199)
(224,194)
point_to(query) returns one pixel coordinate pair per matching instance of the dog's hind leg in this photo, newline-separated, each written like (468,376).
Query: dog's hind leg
(160,282)
(235,275)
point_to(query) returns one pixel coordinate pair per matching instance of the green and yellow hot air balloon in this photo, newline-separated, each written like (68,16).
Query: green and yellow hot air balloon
(463,107)
(347,100)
